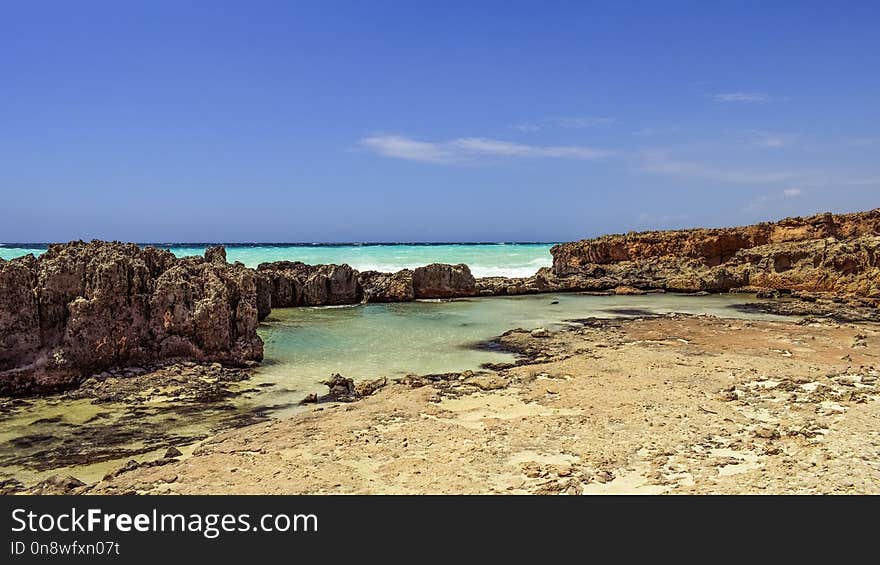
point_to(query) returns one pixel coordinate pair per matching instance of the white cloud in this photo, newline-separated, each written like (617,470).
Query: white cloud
(400,147)
(660,164)
(744,97)
(568,123)
(483,146)
(792,192)
(468,148)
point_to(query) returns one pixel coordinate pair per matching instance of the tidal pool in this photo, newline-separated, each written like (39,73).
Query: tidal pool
(305,346)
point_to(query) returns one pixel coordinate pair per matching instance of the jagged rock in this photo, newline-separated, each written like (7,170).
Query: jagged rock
(837,254)
(712,246)
(81,308)
(343,389)
(172,452)
(216,254)
(264,295)
(293,283)
(331,285)
(366,388)
(443,281)
(822,265)
(387,287)
(283,280)
(19,312)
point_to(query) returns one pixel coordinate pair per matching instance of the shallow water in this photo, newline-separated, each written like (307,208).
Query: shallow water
(305,346)
(484,260)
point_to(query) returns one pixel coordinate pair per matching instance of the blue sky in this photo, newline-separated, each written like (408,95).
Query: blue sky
(430,121)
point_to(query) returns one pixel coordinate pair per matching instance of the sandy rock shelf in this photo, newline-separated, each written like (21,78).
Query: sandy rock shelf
(678,404)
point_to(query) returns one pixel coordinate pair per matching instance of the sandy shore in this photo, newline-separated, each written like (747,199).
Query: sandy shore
(656,405)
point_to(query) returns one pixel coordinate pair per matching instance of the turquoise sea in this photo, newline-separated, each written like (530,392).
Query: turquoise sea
(484,259)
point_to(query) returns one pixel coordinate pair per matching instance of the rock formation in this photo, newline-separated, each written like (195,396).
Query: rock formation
(387,287)
(343,389)
(829,253)
(288,283)
(712,247)
(293,283)
(443,281)
(83,307)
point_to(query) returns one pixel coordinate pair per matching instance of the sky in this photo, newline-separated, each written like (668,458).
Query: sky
(430,121)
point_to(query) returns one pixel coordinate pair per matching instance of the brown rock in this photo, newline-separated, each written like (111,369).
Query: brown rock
(443,281)
(292,283)
(216,254)
(331,285)
(81,308)
(283,280)
(387,287)
(838,254)
(19,312)
(628,291)
(264,295)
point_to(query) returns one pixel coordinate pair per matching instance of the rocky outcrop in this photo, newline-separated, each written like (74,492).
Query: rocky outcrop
(83,307)
(265,290)
(712,247)
(848,267)
(288,283)
(292,283)
(331,285)
(823,253)
(542,281)
(443,281)
(343,389)
(283,281)
(216,254)
(387,287)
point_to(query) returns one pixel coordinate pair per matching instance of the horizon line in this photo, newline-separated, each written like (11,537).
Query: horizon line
(41,244)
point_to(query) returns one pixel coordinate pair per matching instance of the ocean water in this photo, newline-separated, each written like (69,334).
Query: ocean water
(305,346)
(484,259)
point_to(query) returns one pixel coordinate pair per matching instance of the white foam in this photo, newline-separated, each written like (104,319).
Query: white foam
(511,272)
(519,271)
